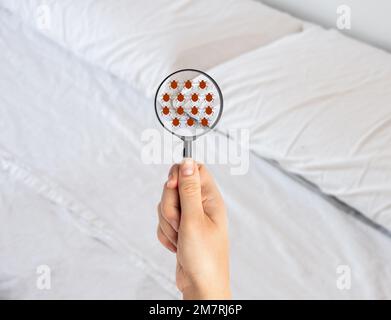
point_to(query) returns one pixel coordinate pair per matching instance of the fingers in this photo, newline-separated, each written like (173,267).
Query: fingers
(172,181)
(189,187)
(169,205)
(208,186)
(212,200)
(190,193)
(164,240)
(167,229)
(168,212)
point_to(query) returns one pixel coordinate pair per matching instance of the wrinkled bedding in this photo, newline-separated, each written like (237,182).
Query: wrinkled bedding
(75,195)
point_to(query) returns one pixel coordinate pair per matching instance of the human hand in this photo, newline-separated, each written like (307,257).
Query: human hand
(193,224)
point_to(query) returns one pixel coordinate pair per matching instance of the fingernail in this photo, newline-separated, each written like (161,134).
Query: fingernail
(187,167)
(174,224)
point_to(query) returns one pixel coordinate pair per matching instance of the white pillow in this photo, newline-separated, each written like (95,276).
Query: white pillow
(142,41)
(320,104)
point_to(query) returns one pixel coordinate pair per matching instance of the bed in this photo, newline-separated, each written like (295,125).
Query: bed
(76,195)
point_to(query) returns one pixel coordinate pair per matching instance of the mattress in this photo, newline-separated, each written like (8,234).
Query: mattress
(77,195)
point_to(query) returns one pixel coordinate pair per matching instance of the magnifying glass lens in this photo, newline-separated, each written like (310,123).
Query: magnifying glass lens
(188,103)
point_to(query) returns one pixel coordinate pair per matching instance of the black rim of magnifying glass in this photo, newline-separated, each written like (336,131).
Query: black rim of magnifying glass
(218,116)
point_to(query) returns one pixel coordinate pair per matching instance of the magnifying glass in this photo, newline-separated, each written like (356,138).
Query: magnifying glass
(188,103)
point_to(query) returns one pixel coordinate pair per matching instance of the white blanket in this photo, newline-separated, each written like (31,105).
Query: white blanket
(76,196)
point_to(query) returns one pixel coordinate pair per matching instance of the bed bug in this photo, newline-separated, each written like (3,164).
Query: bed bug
(166,97)
(209,97)
(165,110)
(174,84)
(194,110)
(194,97)
(175,122)
(180,97)
(208,110)
(190,122)
(188,84)
(204,122)
(202,84)
(180,110)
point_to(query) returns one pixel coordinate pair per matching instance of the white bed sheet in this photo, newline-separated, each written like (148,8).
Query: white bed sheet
(75,195)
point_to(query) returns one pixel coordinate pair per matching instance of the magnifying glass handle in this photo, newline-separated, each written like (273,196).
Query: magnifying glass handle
(187,148)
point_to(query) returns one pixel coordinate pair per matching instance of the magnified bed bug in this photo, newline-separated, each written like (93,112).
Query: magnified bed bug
(204,122)
(166,110)
(208,110)
(166,97)
(188,84)
(194,110)
(180,97)
(180,110)
(194,97)
(202,84)
(174,84)
(190,122)
(175,122)
(209,97)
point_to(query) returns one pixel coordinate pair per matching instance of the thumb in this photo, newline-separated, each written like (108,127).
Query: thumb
(189,186)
